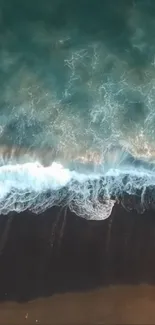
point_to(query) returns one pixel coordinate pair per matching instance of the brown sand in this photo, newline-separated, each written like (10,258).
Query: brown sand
(112,305)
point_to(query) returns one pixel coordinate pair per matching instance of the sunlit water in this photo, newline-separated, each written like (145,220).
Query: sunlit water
(77,105)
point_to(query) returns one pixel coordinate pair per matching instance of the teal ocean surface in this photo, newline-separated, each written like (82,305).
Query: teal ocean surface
(77,105)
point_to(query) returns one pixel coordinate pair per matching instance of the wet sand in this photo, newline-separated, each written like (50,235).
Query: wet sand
(57,268)
(112,305)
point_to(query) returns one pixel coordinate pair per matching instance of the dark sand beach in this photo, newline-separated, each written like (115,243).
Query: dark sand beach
(57,268)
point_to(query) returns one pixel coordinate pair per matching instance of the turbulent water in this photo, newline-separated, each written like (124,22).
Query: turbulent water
(77,105)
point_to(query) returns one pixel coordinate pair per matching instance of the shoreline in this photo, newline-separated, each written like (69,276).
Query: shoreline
(111,305)
(59,252)
(57,268)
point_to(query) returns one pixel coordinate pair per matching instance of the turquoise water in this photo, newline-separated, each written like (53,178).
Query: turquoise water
(77,75)
(77,84)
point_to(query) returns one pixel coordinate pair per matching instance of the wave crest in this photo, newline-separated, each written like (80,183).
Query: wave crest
(31,186)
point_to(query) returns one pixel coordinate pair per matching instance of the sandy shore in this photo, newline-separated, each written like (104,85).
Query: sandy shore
(57,268)
(112,305)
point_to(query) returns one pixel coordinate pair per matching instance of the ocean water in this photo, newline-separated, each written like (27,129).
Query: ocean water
(77,105)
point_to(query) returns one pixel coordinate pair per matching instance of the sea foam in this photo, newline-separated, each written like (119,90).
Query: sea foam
(31,186)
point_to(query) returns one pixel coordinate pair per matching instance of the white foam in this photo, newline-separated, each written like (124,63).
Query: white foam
(34,187)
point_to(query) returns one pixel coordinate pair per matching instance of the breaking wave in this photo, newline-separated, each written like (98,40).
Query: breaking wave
(92,195)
